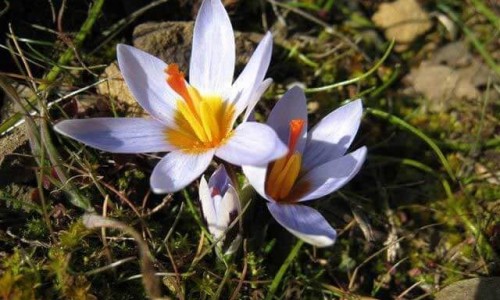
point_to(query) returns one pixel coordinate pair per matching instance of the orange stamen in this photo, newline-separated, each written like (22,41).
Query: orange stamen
(175,79)
(296,127)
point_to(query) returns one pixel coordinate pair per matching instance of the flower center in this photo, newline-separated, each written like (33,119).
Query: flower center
(203,121)
(283,173)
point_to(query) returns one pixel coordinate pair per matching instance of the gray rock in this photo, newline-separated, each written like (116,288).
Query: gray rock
(483,288)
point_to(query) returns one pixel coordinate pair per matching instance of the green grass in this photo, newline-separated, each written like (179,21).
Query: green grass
(422,213)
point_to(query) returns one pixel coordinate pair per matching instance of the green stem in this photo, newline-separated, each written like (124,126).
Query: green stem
(64,59)
(355,79)
(80,37)
(284,267)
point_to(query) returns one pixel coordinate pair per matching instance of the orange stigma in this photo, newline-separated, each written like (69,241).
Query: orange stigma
(202,121)
(296,127)
(283,173)
(175,79)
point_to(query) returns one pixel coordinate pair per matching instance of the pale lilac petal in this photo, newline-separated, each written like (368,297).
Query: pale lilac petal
(208,207)
(118,135)
(146,79)
(256,176)
(248,84)
(178,169)
(291,106)
(213,54)
(219,180)
(255,98)
(333,135)
(253,144)
(331,176)
(304,222)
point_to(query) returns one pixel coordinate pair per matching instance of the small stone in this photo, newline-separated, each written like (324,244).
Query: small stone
(454,54)
(484,288)
(402,20)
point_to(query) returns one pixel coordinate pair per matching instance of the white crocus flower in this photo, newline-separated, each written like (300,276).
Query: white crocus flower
(220,206)
(195,120)
(316,165)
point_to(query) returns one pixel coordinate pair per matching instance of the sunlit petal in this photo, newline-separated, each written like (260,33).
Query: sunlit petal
(329,177)
(248,85)
(178,169)
(304,222)
(118,135)
(145,77)
(252,143)
(333,135)
(213,54)
(290,107)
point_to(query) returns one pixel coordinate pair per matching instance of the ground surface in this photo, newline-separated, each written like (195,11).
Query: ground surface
(421,215)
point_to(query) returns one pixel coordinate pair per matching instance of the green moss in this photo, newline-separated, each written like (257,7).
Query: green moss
(20,279)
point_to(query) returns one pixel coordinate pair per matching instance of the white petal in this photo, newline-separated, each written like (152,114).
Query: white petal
(146,79)
(291,106)
(333,135)
(228,208)
(256,176)
(207,207)
(252,143)
(331,176)
(213,54)
(119,135)
(304,222)
(255,98)
(178,169)
(248,85)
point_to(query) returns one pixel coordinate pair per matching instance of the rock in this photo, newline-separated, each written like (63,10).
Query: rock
(116,88)
(454,54)
(402,20)
(170,41)
(484,288)
(452,74)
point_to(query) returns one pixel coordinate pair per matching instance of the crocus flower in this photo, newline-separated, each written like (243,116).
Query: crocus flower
(220,206)
(195,120)
(315,165)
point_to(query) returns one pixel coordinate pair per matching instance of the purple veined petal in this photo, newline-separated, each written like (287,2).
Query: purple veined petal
(229,209)
(219,180)
(248,84)
(118,135)
(178,169)
(252,143)
(256,176)
(208,207)
(304,222)
(211,68)
(291,106)
(331,176)
(255,98)
(146,79)
(333,135)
